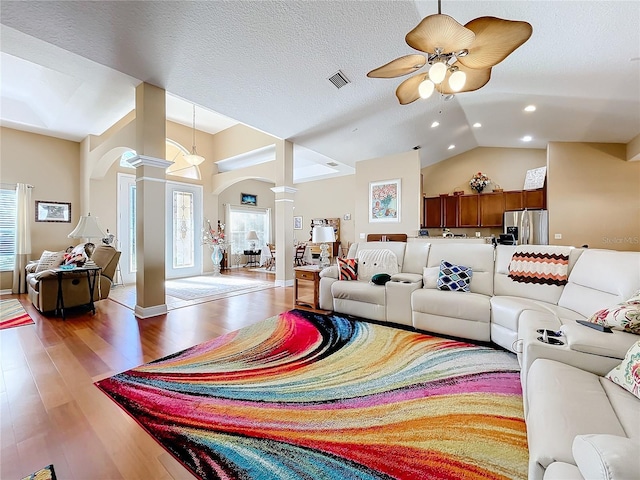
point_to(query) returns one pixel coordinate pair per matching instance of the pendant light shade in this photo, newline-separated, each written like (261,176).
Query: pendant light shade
(193,158)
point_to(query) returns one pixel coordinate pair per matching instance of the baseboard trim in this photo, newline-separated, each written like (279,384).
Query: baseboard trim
(284,283)
(6,291)
(148,312)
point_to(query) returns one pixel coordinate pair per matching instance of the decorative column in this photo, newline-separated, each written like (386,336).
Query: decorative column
(284,195)
(150,200)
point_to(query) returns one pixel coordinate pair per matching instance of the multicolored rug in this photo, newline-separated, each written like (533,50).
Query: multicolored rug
(304,395)
(13,314)
(46,473)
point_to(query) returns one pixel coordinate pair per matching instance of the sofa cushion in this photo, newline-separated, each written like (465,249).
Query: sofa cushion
(609,457)
(454,278)
(627,374)
(601,278)
(348,269)
(396,247)
(564,401)
(49,260)
(479,257)
(470,306)
(528,265)
(562,471)
(375,261)
(359,292)
(623,316)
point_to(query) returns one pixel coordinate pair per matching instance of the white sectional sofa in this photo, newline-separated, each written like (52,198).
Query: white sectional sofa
(566,381)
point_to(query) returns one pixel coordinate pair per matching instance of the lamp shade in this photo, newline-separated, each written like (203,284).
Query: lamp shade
(437,72)
(252,235)
(323,235)
(193,158)
(88,227)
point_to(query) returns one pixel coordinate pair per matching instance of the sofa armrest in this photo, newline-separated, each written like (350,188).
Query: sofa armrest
(407,278)
(31,266)
(587,340)
(330,272)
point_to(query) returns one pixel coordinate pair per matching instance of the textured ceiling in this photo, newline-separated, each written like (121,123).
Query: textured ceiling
(266,64)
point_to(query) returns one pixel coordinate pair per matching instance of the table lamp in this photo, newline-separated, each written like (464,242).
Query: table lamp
(323,235)
(252,236)
(88,227)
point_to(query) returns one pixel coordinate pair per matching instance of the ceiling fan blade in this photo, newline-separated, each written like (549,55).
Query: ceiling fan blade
(439,31)
(399,66)
(407,91)
(476,79)
(495,40)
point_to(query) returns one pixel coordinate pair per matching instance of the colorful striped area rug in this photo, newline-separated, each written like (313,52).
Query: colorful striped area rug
(304,395)
(13,314)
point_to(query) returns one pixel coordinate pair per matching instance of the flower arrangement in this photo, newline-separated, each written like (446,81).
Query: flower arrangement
(479,181)
(212,237)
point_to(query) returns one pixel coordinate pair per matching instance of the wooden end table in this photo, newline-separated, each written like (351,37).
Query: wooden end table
(309,273)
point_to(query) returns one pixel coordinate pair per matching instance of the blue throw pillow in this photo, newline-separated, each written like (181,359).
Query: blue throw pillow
(455,278)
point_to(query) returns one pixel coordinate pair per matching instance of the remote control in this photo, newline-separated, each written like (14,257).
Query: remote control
(595,326)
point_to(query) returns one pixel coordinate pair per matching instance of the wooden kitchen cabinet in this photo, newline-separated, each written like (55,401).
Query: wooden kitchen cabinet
(513,200)
(469,210)
(535,198)
(492,207)
(450,211)
(432,212)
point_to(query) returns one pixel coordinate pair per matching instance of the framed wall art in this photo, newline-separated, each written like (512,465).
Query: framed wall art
(297,223)
(53,212)
(384,201)
(248,199)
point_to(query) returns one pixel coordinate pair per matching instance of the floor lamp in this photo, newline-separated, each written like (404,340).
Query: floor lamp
(323,235)
(88,227)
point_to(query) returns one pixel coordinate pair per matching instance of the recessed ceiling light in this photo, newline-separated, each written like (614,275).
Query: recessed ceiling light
(530,108)
(477,125)
(435,124)
(451,147)
(527,138)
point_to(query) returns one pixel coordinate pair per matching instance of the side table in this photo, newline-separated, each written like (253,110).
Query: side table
(92,277)
(311,274)
(251,258)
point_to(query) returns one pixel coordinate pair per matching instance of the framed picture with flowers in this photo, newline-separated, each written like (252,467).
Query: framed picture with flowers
(384,201)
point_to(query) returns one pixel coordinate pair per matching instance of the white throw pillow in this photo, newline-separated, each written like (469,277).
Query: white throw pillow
(430,277)
(608,457)
(372,261)
(49,260)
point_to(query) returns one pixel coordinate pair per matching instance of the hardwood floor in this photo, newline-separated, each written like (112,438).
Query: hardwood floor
(52,413)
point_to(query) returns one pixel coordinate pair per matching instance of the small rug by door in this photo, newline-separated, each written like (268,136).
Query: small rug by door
(304,395)
(13,314)
(46,473)
(194,290)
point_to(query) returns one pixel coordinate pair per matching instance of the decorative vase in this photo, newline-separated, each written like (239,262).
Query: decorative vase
(478,189)
(216,258)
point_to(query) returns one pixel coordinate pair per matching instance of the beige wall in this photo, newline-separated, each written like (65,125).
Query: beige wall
(51,165)
(593,196)
(236,140)
(330,198)
(406,167)
(505,166)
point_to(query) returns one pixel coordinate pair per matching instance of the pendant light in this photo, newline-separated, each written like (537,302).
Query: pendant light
(193,158)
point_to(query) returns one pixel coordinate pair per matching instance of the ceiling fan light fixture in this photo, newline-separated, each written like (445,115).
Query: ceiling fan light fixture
(457,80)
(437,72)
(425,89)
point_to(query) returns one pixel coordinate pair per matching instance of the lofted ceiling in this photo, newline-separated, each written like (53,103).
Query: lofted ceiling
(69,69)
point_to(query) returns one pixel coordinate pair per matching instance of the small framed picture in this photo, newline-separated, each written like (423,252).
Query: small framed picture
(53,212)
(248,199)
(297,223)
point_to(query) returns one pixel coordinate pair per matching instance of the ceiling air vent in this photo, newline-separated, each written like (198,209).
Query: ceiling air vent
(332,164)
(338,79)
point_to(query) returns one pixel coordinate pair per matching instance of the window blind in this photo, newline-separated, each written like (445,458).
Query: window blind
(7,229)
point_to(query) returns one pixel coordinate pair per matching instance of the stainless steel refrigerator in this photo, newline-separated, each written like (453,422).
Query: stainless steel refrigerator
(529,227)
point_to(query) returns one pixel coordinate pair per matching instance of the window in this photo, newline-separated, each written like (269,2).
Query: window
(241,220)
(7,229)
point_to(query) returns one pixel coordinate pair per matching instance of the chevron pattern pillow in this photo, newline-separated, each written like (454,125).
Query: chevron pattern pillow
(455,278)
(539,267)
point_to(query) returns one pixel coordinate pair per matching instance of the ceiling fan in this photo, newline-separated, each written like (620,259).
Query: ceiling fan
(461,55)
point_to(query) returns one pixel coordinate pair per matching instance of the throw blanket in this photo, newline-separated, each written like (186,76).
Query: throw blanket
(531,264)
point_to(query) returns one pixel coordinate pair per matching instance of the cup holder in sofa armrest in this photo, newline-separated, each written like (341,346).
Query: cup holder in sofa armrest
(551,341)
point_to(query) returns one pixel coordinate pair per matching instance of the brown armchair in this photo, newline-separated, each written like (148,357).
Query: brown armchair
(43,286)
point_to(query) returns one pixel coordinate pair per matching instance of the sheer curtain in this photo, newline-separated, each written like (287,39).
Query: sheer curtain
(23,237)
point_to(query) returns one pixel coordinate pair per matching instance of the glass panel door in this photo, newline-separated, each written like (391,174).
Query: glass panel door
(184,223)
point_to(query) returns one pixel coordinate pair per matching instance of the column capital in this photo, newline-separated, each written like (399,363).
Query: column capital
(283,189)
(146,161)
